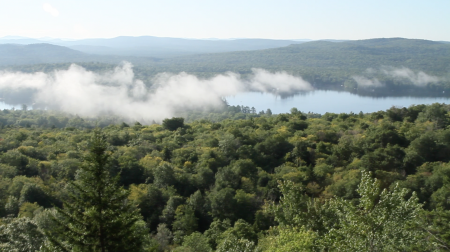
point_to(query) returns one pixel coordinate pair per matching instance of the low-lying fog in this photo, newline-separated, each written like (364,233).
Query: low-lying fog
(86,93)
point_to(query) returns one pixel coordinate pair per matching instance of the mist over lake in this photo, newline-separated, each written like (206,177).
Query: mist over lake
(317,101)
(322,101)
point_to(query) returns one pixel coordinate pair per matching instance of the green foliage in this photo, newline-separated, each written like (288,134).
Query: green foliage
(33,193)
(16,159)
(241,229)
(195,242)
(12,207)
(150,200)
(164,175)
(215,178)
(28,210)
(214,233)
(381,221)
(288,239)
(437,227)
(232,243)
(164,236)
(173,124)
(20,235)
(185,223)
(297,209)
(97,217)
(223,204)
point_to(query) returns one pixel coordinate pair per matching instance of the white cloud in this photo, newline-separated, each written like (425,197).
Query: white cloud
(281,82)
(79,91)
(50,9)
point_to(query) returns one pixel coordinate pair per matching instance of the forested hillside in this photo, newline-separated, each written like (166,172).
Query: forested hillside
(376,66)
(327,64)
(286,182)
(350,56)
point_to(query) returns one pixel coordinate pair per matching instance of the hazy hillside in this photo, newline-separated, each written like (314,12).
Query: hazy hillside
(12,54)
(323,63)
(346,56)
(169,47)
(15,54)
(148,46)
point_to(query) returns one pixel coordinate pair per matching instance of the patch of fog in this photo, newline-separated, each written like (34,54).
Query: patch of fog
(407,75)
(86,93)
(419,79)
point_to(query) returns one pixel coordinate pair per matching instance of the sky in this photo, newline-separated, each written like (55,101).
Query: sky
(280,19)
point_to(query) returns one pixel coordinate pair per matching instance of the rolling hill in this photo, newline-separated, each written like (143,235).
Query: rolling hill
(323,63)
(345,56)
(13,54)
(148,46)
(16,54)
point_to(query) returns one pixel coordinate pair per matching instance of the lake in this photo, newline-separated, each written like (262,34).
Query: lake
(317,101)
(322,101)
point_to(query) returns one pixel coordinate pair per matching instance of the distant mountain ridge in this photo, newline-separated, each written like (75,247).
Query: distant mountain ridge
(16,54)
(323,63)
(347,56)
(149,46)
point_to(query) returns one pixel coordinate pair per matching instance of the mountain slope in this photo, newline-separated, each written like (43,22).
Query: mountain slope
(14,54)
(170,47)
(319,59)
(148,46)
(320,62)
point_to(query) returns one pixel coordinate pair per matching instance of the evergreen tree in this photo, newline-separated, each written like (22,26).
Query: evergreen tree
(97,217)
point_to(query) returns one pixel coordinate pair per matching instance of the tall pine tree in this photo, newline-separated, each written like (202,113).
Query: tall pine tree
(97,216)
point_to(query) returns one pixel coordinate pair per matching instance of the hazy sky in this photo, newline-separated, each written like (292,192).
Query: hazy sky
(281,19)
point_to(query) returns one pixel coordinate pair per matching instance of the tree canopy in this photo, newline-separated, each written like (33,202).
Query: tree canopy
(231,180)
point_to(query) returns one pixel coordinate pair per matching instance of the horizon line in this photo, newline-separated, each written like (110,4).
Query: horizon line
(13,37)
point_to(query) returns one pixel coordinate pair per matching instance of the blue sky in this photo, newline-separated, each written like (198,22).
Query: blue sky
(281,19)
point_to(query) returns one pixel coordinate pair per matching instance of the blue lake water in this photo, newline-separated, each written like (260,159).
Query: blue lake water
(321,101)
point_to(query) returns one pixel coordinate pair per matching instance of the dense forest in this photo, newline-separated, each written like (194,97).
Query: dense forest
(231,180)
